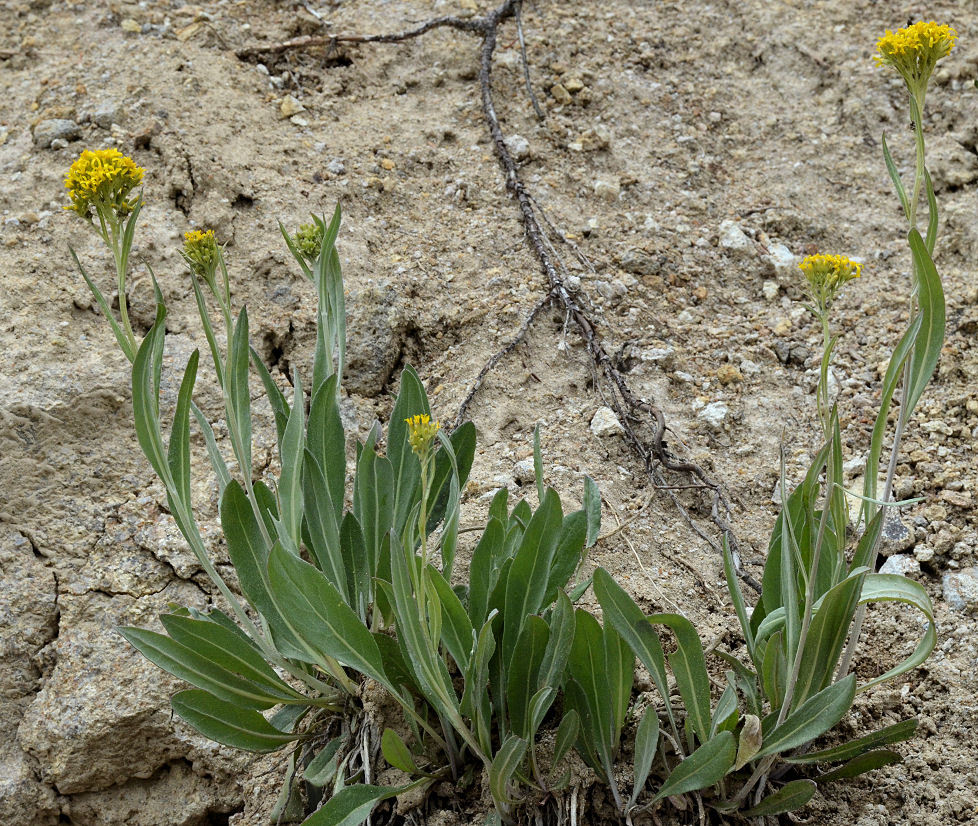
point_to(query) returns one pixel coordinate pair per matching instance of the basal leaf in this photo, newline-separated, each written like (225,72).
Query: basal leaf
(227,723)
(704,767)
(788,798)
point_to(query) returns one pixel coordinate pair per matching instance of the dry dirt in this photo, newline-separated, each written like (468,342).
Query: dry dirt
(671,118)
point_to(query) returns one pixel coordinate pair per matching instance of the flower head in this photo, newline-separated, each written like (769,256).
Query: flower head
(102,179)
(826,275)
(421,433)
(915,50)
(309,240)
(200,252)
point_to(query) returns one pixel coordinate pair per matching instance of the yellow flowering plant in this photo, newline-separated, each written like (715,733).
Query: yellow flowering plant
(342,580)
(327,572)
(100,185)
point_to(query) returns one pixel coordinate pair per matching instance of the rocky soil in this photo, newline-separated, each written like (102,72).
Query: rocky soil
(691,150)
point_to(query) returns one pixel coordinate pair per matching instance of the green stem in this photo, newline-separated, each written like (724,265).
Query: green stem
(916,112)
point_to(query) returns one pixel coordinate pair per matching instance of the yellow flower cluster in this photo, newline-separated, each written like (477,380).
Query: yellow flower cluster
(827,274)
(421,433)
(103,179)
(309,240)
(200,252)
(915,50)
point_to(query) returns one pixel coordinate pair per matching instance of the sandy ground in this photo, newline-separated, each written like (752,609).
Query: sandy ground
(664,120)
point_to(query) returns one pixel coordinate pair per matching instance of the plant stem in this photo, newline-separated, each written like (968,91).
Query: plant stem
(916,112)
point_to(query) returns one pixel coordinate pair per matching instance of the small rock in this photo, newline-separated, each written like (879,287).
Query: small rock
(105,115)
(732,238)
(640,262)
(523,471)
(47,131)
(572,84)
(607,190)
(662,357)
(131,26)
(518,146)
(961,590)
(895,537)
(900,564)
(560,94)
(388,164)
(290,106)
(784,262)
(336,167)
(714,415)
(605,423)
(923,553)
(771,290)
(686,317)
(750,368)
(729,374)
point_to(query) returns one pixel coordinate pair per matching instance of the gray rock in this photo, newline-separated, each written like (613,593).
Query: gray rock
(784,263)
(661,357)
(47,131)
(714,415)
(336,167)
(771,290)
(733,238)
(105,114)
(377,330)
(175,795)
(518,146)
(640,262)
(28,614)
(961,590)
(896,537)
(607,190)
(523,471)
(900,564)
(23,801)
(103,715)
(604,422)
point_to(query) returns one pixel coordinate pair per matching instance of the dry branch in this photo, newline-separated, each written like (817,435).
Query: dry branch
(631,410)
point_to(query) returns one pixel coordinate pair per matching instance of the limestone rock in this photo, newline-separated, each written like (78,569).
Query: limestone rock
(103,714)
(961,590)
(605,423)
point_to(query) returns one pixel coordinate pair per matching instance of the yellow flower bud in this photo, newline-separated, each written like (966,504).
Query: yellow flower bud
(200,253)
(421,433)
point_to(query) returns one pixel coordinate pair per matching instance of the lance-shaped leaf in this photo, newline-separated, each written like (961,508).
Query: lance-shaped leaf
(178,451)
(315,616)
(788,798)
(629,621)
(704,767)
(862,764)
(396,752)
(884,737)
(290,481)
(322,531)
(198,670)
(228,723)
(530,571)
(352,805)
(689,665)
(239,392)
(246,547)
(504,765)
(228,648)
(930,339)
(813,717)
(646,743)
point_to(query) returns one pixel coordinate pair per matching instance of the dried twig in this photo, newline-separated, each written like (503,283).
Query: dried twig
(631,410)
